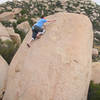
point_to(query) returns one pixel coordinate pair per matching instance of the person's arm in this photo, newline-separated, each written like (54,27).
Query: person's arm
(51,21)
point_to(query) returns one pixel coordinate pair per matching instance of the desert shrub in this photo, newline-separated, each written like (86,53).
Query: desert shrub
(8,49)
(1,11)
(6,23)
(94,91)
(14,25)
(21,33)
(97,36)
(20,20)
(12,4)
(24,11)
(59,4)
(96,24)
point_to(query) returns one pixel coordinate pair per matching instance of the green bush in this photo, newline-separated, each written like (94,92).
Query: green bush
(6,23)
(8,49)
(14,25)
(20,20)
(24,11)
(31,23)
(1,11)
(94,91)
(96,24)
(97,36)
(21,33)
(59,4)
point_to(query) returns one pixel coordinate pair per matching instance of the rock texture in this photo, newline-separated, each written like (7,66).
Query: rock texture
(57,66)
(96,72)
(3,75)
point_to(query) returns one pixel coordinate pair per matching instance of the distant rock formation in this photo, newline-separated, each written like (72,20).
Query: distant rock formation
(9,34)
(4,33)
(57,66)
(9,15)
(3,75)
(15,37)
(6,16)
(25,27)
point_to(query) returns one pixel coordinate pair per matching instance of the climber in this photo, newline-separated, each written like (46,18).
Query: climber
(38,30)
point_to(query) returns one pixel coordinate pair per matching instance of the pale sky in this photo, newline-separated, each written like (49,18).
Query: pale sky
(98,1)
(2,1)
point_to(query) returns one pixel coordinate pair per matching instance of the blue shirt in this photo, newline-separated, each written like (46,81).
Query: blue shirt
(41,22)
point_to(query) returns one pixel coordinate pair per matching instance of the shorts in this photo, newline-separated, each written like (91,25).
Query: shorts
(35,31)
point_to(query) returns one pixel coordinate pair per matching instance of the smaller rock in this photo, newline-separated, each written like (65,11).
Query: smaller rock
(16,38)
(25,27)
(97,40)
(97,32)
(95,52)
(16,10)
(6,16)
(4,33)
(9,8)
(13,20)
(34,19)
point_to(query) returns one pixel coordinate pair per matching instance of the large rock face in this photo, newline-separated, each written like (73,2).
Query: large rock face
(96,72)
(3,75)
(57,66)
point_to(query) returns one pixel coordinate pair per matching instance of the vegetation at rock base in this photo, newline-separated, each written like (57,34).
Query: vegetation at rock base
(94,91)
(6,23)
(21,33)
(8,49)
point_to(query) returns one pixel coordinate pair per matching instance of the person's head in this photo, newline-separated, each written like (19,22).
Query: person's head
(42,16)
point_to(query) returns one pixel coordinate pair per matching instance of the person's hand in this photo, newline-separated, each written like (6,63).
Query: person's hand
(54,20)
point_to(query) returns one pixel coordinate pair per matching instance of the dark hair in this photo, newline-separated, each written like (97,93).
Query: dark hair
(42,16)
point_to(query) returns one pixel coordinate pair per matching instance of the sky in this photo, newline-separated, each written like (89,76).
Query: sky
(97,1)
(2,1)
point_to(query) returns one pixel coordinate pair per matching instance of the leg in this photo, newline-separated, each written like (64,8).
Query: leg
(33,38)
(29,44)
(40,34)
